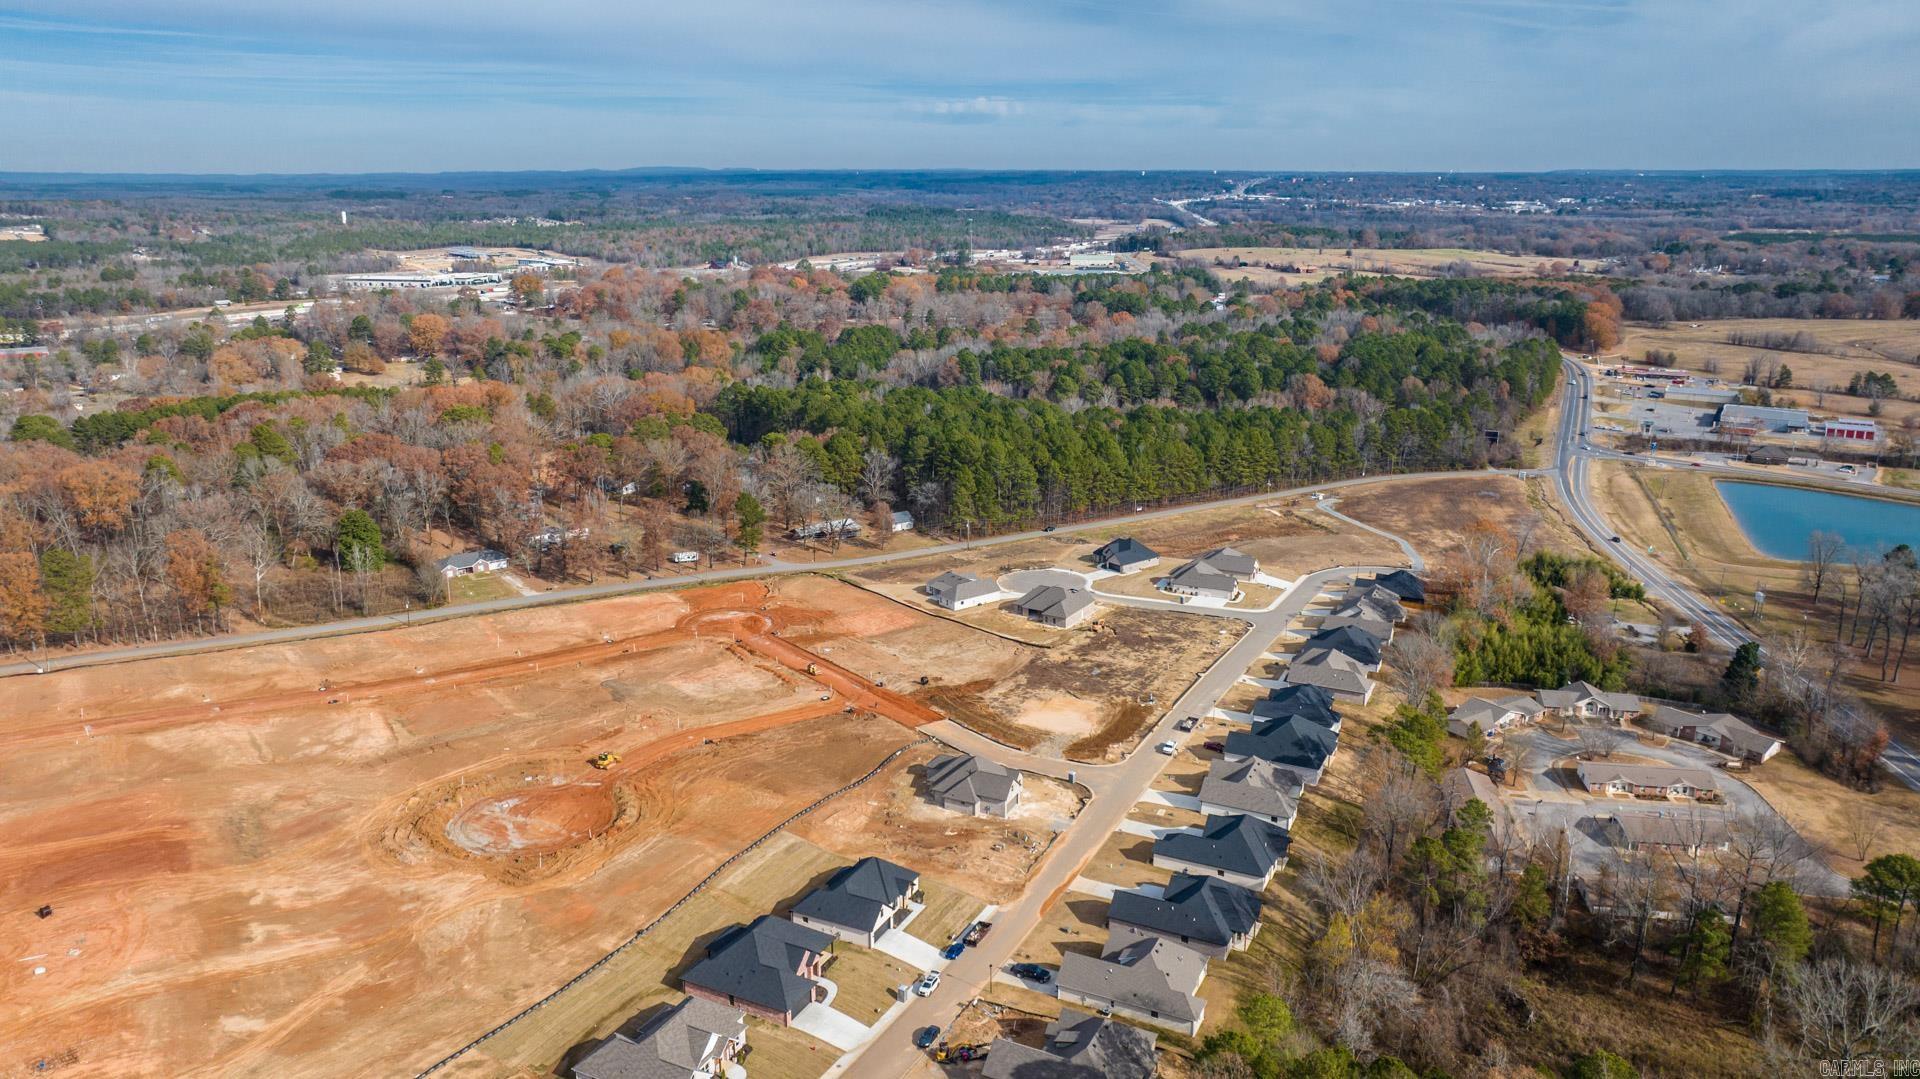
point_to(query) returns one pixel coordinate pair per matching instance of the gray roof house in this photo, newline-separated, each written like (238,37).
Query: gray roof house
(695,1039)
(1589,701)
(1238,849)
(1355,641)
(1198,580)
(1236,564)
(1404,584)
(1377,596)
(1727,733)
(1313,702)
(1336,672)
(958,591)
(1493,716)
(1463,785)
(1295,743)
(483,561)
(1359,616)
(1125,555)
(973,785)
(1265,710)
(1055,605)
(1690,833)
(1140,976)
(1254,787)
(1207,915)
(767,968)
(1079,1046)
(1647,780)
(861,902)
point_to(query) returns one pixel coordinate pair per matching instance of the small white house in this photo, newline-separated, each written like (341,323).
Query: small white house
(902,521)
(469,562)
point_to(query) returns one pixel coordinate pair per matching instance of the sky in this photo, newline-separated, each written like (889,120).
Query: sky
(403,85)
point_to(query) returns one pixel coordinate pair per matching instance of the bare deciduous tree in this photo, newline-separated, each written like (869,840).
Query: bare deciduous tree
(1842,1008)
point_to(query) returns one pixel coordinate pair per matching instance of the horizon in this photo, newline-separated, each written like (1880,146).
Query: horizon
(107,87)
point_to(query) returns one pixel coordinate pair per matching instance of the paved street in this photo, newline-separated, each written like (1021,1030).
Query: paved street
(1114,789)
(1570,476)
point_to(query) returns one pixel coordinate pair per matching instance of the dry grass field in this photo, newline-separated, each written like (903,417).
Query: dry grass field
(1261,264)
(1849,347)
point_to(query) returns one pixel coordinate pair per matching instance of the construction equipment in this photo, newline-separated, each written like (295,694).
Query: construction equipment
(813,668)
(605,761)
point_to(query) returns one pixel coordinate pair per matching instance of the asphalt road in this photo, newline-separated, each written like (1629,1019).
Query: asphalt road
(1114,789)
(621,588)
(1570,476)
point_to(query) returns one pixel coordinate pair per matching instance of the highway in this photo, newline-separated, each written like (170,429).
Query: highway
(1570,477)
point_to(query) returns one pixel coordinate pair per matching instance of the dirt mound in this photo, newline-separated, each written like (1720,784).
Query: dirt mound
(542,819)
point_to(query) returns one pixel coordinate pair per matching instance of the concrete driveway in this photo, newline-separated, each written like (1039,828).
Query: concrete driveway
(837,1029)
(909,949)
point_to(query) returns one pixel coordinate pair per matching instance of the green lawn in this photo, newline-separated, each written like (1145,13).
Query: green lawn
(475,588)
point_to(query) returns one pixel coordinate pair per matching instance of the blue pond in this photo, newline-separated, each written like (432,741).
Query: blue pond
(1778,520)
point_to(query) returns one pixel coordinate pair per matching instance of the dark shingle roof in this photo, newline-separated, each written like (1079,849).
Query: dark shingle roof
(1351,640)
(1296,740)
(1237,844)
(1198,908)
(1053,599)
(759,963)
(1125,551)
(1231,562)
(1200,575)
(857,895)
(1313,702)
(1140,971)
(1252,785)
(1079,1046)
(1403,584)
(673,1046)
(962,777)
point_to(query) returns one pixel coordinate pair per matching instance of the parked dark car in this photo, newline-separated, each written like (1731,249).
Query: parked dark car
(1049,528)
(1032,972)
(953,950)
(925,1037)
(1187,724)
(1217,747)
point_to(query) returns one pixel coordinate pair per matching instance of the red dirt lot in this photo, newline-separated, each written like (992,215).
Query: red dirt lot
(350,856)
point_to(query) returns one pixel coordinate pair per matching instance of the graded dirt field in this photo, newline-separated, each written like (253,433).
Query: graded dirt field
(1262,264)
(1848,347)
(350,856)
(892,818)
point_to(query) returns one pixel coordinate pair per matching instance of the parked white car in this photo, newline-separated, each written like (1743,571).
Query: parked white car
(1168,748)
(928,984)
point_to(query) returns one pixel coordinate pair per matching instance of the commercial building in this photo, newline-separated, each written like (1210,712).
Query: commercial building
(1851,430)
(1736,419)
(377,282)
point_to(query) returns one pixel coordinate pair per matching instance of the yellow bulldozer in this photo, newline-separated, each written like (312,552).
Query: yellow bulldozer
(605,761)
(813,668)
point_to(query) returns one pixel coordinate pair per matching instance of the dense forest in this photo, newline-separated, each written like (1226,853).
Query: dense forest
(642,414)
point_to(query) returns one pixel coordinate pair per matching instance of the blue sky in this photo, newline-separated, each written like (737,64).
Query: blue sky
(360,85)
